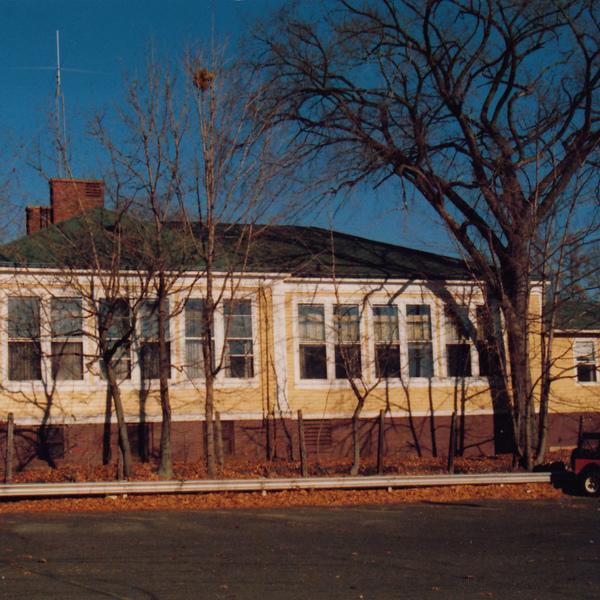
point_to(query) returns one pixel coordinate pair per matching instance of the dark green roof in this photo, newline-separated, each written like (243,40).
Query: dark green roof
(578,315)
(293,250)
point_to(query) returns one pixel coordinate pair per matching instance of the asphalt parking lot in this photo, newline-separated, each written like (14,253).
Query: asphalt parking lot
(482,549)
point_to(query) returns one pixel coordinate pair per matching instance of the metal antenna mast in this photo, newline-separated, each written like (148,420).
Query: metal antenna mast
(61,125)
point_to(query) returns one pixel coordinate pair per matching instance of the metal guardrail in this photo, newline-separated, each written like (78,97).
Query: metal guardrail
(108,488)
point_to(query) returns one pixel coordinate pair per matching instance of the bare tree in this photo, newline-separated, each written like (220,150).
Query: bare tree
(485,110)
(147,168)
(198,171)
(237,169)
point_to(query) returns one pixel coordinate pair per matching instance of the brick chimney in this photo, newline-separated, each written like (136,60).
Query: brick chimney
(68,197)
(38,217)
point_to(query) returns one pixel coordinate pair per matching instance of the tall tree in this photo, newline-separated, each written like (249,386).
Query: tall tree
(147,175)
(196,166)
(485,109)
(237,184)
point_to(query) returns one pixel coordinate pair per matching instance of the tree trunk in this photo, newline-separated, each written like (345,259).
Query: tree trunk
(10,441)
(356,441)
(303,461)
(165,470)
(517,317)
(121,424)
(219,444)
(209,425)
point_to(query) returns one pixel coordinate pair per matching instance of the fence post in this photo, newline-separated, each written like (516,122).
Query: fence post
(303,463)
(10,437)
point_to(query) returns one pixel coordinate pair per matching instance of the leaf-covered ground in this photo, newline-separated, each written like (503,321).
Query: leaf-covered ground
(401,465)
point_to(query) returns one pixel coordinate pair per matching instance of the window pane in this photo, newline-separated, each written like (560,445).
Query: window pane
(149,320)
(149,360)
(458,325)
(238,329)
(387,360)
(420,360)
(418,322)
(194,309)
(239,359)
(194,359)
(585,356)
(458,357)
(67,361)
(487,342)
(121,362)
(119,323)
(586,373)
(66,317)
(347,361)
(385,321)
(23,318)
(24,361)
(313,361)
(238,318)
(346,322)
(311,322)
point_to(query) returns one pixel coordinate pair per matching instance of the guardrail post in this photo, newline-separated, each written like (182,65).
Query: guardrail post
(10,437)
(303,463)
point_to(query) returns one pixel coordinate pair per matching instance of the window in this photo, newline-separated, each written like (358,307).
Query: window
(585,358)
(149,345)
(346,324)
(311,332)
(67,343)
(458,341)
(387,346)
(116,317)
(239,359)
(24,350)
(194,330)
(418,334)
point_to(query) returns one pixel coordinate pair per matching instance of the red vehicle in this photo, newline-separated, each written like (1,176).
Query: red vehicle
(585,461)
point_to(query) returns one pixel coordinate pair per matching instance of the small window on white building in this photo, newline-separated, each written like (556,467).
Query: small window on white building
(418,335)
(312,347)
(67,339)
(194,335)
(458,342)
(239,348)
(585,358)
(387,345)
(24,348)
(149,343)
(346,324)
(116,317)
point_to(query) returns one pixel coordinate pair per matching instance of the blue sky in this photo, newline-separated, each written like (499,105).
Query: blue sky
(102,39)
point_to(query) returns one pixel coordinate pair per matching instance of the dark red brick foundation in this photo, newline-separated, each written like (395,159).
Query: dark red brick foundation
(96,444)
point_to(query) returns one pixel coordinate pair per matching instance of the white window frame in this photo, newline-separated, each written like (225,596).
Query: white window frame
(580,341)
(328,301)
(45,341)
(219,344)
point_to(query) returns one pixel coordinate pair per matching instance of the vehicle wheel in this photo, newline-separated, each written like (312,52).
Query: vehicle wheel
(589,482)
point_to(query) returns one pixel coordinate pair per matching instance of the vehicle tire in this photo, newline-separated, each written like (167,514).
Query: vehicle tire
(589,482)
